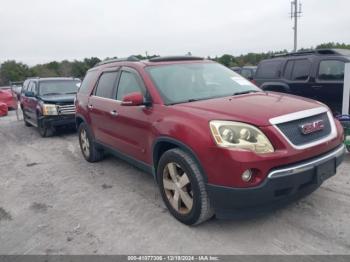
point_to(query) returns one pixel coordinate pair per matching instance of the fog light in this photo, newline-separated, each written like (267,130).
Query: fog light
(247,175)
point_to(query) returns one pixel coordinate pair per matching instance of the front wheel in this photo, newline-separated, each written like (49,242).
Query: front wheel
(182,188)
(45,131)
(348,148)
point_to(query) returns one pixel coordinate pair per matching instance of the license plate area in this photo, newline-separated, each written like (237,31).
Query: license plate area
(326,170)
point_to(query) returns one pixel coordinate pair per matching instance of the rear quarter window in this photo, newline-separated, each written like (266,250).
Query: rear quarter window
(88,82)
(268,69)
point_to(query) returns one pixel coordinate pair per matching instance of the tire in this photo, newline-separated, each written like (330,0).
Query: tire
(177,199)
(348,148)
(88,146)
(45,131)
(25,120)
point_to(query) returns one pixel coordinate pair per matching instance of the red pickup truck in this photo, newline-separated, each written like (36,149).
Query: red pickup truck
(215,143)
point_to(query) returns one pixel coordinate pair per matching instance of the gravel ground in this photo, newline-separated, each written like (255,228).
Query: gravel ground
(53,202)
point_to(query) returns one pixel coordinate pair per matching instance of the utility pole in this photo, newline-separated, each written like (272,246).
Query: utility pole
(295,13)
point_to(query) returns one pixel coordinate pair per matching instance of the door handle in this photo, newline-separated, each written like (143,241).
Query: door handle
(90,106)
(114,113)
(317,87)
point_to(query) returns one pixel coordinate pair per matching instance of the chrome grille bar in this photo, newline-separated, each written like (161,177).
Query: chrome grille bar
(66,109)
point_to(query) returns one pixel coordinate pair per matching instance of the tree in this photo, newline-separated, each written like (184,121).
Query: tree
(91,62)
(227,60)
(13,71)
(333,45)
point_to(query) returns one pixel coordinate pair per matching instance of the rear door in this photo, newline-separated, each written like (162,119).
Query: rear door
(297,75)
(268,71)
(102,107)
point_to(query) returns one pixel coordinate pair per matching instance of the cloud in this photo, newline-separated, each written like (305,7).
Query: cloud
(38,31)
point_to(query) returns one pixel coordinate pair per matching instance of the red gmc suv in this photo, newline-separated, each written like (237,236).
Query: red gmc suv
(215,143)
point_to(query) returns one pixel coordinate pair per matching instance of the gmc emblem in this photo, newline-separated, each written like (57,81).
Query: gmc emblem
(309,128)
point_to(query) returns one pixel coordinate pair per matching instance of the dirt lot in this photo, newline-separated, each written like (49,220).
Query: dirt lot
(54,202)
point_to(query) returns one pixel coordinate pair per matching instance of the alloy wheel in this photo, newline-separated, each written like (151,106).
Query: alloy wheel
(85,143)
(177,187)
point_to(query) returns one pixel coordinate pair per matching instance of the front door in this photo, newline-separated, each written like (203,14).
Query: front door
(31,102)
(132,126)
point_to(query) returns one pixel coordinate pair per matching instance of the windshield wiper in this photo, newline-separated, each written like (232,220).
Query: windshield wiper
(186,101)
(70,93)
(51,94)
(245,92)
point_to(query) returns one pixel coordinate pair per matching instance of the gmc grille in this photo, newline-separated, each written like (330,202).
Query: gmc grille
(292,130)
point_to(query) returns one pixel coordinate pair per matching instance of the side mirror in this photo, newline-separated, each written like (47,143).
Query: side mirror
(29,94)
(133,99)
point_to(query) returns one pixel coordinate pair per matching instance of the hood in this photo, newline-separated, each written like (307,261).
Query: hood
(5,93)
(58,98)
(254,108)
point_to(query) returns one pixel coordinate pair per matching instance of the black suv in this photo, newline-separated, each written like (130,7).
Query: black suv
(49,102)
(315,74)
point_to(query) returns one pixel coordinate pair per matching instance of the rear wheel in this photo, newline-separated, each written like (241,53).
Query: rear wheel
(88,146)
(182,188)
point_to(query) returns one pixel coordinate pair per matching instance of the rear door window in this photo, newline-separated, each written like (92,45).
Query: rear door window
(268,69)
(297,70)
(301,69)
(35,88)
(31,87)
(331,70)
(288,69)
(106,83)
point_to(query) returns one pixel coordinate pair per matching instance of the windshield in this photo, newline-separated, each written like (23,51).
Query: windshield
(59,87)
(181,83)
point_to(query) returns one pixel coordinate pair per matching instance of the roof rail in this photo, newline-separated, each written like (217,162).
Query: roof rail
(295,53)
(129,59)
(324,51)
(174,58)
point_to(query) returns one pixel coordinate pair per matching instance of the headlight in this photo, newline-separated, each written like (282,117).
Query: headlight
(239,135)
(49,110)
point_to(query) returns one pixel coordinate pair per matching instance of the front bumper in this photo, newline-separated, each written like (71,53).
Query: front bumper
(60,120)
(282,186)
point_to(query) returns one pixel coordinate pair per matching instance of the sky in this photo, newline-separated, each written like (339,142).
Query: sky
(39,31)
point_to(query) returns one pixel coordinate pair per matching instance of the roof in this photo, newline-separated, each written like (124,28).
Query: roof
(53,78)
(152,61)
(249,67)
